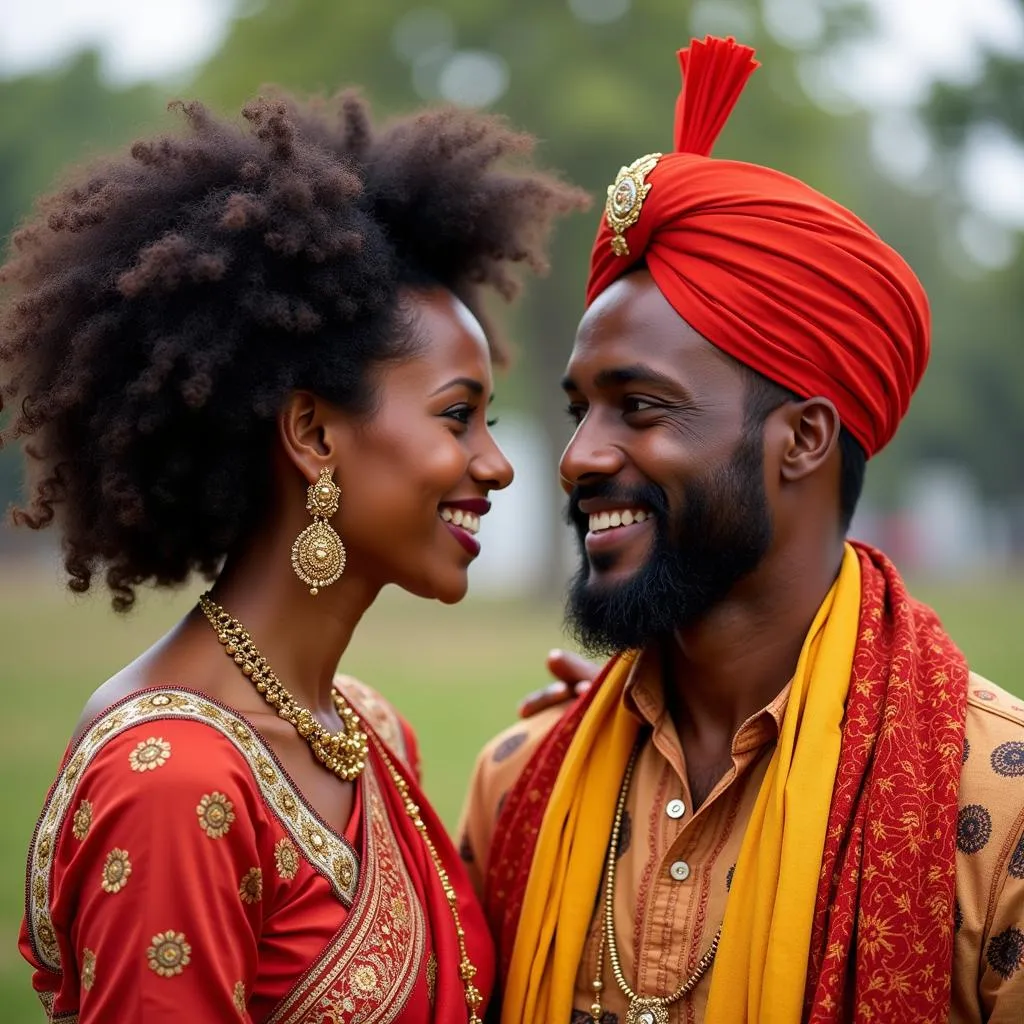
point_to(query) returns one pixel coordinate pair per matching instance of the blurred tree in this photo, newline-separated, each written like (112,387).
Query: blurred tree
(980,417)
(59,116)
(994,98)
(49,120)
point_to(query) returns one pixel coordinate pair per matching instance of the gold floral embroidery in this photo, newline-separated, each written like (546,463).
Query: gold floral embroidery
(88,969)
(47,936)
(168,954)
(43,847)
(216,812)
(238,997)
(109,725)
(364,980)
(116,871)
(251,887)
(343,869)
(266,770)
(150,755)
(314,837)
(74,766)
(243,736)
(431,977)
(288,805)
(82,820)
(39,889)
(400,910)
(210,711)
(287,858)
(167,700)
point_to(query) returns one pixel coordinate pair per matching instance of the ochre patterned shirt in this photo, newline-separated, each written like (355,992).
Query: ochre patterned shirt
(675,865)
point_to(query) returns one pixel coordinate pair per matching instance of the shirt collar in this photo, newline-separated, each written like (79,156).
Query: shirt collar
(644,697)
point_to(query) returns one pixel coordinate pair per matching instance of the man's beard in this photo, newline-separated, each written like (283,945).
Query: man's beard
(721,536)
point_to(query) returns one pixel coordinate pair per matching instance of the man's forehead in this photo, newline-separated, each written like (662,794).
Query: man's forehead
(632,303)
(632,325)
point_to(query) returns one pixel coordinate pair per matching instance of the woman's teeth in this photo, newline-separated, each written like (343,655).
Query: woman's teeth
(621,517)
(469,521)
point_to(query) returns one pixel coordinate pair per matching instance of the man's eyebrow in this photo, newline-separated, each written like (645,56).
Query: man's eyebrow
(637,373)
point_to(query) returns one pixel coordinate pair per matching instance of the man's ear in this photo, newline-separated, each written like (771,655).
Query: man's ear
(810,433)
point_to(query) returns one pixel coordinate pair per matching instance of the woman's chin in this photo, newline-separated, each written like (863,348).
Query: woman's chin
(449,588)
(453,590)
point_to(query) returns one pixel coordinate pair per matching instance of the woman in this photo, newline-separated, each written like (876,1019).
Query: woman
(262,356)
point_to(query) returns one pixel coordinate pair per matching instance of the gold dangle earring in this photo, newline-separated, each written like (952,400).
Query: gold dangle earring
(318,556)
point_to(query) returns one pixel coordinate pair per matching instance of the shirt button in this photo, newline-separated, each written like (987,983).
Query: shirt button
(675,808)
(680,871)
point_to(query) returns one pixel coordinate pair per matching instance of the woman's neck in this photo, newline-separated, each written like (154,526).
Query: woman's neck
(302,636)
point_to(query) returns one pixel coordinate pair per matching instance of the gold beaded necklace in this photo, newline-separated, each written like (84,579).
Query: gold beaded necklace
(343,754)
(642,1009)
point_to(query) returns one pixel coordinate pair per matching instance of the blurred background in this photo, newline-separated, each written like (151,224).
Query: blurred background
(911,112)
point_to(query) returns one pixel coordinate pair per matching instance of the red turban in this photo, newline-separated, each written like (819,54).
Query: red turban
(770,271)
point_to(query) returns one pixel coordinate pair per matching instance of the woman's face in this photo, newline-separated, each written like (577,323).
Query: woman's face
(415,474)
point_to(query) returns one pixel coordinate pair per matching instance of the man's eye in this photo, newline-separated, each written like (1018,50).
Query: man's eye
(634,404)
(575,412)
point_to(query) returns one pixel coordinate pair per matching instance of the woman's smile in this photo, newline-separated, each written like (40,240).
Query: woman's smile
(463,520)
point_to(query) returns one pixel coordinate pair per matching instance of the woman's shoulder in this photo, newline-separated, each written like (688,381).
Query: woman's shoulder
(193,729)
(167,747)
(139,751)
(171,766)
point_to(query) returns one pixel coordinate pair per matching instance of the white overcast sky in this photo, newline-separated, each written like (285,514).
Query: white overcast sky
(921,40)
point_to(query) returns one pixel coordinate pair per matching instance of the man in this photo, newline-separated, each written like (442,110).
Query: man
(788,798)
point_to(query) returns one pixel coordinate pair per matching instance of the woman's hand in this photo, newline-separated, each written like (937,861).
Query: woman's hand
(573,676)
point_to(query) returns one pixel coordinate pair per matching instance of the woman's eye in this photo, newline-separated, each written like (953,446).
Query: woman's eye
(492,422)
(461,413)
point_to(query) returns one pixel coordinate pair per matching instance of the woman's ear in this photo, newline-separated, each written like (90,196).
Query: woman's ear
(810,435)
(304,435)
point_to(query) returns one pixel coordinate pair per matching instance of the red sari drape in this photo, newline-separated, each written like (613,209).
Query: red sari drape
(176,873)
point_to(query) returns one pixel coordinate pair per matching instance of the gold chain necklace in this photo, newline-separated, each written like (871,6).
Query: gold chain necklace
(467,970)
(642,1009)
(342,753)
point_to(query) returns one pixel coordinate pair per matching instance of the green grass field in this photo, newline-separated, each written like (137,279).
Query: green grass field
(456,673)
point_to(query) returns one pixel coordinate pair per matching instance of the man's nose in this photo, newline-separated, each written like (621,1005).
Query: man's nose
(589,454)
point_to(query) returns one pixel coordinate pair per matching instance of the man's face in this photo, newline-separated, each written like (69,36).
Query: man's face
(666,486)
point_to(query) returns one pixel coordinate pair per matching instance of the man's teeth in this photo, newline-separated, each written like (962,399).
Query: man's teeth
(620,517)
(469,521)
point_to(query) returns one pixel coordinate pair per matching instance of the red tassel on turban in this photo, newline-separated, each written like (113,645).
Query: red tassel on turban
(770,271)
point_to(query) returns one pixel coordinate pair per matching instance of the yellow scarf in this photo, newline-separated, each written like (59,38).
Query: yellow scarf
(762,958)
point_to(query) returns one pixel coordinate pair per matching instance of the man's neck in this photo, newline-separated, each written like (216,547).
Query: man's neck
(743,654)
